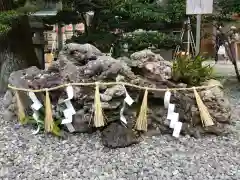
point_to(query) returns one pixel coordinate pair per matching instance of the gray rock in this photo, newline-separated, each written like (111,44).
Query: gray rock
(83,48)
(7,99)
(116,135)
(8,115)
(81,122)
(154,65)
(17,78)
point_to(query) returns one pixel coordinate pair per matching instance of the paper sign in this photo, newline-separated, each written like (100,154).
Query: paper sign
(199,7)
(174,120)
(167,99)
(177,129)
(128,99)
(70,127)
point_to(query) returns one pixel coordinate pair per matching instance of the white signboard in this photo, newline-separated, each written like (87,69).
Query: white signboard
(199,7)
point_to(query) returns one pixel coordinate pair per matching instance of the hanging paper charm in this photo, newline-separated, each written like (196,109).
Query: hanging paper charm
(70,111)
(167,99)
(172,116)
(35,107)
(127,100)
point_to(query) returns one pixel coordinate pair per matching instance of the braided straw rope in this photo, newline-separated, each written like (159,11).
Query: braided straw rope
(110,84)
(141,123)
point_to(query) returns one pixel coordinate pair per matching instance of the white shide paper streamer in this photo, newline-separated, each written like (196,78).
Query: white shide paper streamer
(36,103)
(171,109)
(174,120)
(172,116)
(35,107)
(36,118)
(122,117)
(127,100)
(70,111)
(167,97)
(177,129)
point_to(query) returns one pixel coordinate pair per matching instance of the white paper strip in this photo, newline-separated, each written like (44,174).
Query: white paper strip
(128,99)
(70,111)
(174,120)
(70,93)
(36,118)
(36,103)
(68,114)
(36,106)
(177,129)
(70,107)
(167,99)
(66,121)
(122,117)
(70,127)
(171,108)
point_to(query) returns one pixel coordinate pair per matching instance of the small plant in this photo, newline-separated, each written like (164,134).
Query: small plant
(190,70)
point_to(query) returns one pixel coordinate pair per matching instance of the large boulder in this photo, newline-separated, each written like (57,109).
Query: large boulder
(144,69)
(152,65)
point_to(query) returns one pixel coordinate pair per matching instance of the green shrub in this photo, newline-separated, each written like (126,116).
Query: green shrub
(191,70)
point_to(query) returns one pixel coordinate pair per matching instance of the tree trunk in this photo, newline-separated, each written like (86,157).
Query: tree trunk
(16,47)
(6,5)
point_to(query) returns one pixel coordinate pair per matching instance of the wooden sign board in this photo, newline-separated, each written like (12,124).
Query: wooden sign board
(199,7)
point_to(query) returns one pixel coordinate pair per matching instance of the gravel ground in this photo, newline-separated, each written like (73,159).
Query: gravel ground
(25,156)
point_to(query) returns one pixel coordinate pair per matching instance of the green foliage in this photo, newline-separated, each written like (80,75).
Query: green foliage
(100,39)
(8,17)
(56,127)
(6,20)
(128,16)
(191,70)
(141,40)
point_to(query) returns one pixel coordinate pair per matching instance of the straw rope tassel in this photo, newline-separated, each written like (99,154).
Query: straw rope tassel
(21,113)
(203,110)
(48,114)
(141,123)
(98,112)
